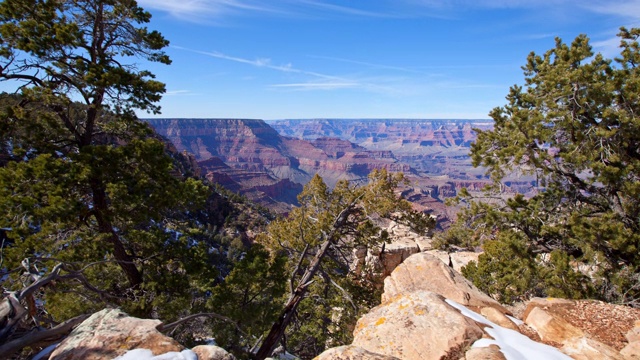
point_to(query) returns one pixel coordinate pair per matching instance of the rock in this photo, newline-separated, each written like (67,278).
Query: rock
(631,351)
(212,352)
(416,325)
(548,317)
(350,352)
(423,271)
(634,334)
(384,262)
(491,352)
(495,316)
(110,333)
(551,328)
(585,348)
(459,259)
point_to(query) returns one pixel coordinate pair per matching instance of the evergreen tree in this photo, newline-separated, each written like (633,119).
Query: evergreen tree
(319,237)
(83,183)
(574,125)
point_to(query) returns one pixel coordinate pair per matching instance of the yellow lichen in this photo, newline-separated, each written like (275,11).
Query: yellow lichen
(381,321)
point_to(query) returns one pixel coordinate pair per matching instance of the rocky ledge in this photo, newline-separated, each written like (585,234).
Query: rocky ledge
(428,311)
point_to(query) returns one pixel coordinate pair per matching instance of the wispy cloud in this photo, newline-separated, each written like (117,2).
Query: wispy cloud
(178,92)
(215,10)
(316,86)
(371,65)
(260,62)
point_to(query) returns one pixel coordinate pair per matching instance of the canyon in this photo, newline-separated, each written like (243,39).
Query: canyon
(269,162)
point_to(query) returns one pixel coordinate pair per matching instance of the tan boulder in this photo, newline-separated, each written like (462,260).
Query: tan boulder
(416,325)
(496,316)
(110,333)
(212,352)
(585,348)
(350,352)
(458,259)
(423,271)
(631,351)
(549,327)
(491,352)
(633,335)
(552,320)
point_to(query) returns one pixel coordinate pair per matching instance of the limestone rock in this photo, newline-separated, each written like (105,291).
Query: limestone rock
(634,334)
(484,353)
(416,325)
(212,352)
(585,348)
(423,271)
(350,352)
(110,333)
(551,328)
(494,315)
(546,317)
(631,351)
(459,259)
(385,262)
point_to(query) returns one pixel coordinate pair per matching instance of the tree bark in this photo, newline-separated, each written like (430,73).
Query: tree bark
(279,327)
(100,210)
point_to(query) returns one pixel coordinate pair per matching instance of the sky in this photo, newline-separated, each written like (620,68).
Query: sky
(286,59)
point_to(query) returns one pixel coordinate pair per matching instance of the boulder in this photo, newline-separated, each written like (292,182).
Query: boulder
(416,325)
(212,352)
(350,352)
(496,316)
(384,260)
(459,259)
(423,271)
(632,350)
(491,352)
(583,329)
(110,333)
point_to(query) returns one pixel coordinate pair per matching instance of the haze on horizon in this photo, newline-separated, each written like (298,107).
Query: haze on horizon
(282,59)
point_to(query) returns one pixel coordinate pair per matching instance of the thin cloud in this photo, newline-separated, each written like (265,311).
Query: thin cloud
(215,10)
(259,62)
(315,86)
(178,92)
(372,65)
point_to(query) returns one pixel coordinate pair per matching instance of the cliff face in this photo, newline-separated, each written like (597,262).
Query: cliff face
(434,147)
(250,157)
(398,131)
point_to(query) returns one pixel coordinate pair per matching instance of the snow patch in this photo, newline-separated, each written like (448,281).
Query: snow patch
(144,354)
(513,345)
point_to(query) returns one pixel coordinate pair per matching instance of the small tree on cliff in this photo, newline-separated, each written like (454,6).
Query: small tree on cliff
(320,235)
(575,126)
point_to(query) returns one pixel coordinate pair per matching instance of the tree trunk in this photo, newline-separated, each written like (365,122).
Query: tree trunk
(279,327)
(100,210)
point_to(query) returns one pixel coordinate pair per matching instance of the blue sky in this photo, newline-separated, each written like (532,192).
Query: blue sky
(278,59)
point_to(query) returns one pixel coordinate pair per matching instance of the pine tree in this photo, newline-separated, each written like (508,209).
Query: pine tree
(85,187)
(319,237)
(574,125)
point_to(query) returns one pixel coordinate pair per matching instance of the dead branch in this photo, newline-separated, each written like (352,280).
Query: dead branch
(165,328)
(38,336)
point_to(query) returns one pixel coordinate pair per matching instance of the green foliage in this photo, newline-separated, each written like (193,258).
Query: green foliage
(574,126)
(318,238)
(251,295)
(84,182)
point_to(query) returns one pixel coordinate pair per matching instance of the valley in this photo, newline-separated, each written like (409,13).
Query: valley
(269,162)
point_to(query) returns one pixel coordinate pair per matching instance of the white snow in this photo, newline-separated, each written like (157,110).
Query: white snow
(144,354)
(44,353)
(515,320)
(513,345)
